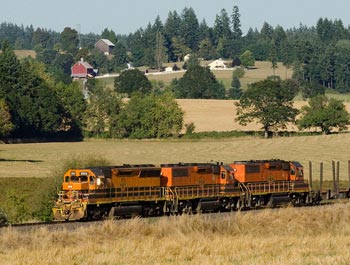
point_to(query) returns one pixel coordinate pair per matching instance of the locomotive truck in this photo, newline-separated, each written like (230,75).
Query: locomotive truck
(95,193)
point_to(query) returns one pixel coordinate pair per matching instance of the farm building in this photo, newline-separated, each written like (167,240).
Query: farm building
(82,69)
(105,46)
(217,64)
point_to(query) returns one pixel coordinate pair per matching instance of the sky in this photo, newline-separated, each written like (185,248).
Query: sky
(124,17)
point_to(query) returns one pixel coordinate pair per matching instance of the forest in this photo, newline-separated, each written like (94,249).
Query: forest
(39,99)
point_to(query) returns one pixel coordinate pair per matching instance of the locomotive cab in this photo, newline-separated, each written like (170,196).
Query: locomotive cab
(296,171)
(227,175)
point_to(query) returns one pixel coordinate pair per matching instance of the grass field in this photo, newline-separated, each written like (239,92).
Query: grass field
(260,71)
(24,53)
(277,236)
(39,160)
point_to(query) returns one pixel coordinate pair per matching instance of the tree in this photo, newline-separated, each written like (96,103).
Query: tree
(74,107)
(199,82)
(247,59)
(109,35)
(70,40)
(207,50)
(235,92)
(152,116)
(179,48)
(311,89)
(325,114)
(236,23)
(236,32)
(189,28)
(119,59)
(132,80)
(101,117)
(6,125)
(342,66)
(160,51)
(269,103)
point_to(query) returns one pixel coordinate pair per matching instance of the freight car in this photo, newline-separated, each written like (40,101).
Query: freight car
(149,190)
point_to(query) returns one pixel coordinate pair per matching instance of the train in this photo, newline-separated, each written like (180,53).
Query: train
(96,193)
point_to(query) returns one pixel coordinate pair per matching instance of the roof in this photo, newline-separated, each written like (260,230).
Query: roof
(85,64)
(217,63)
(108,42)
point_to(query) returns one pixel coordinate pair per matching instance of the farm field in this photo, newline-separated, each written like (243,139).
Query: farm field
(318,235)
(261,70)
(219,115)
(41,159)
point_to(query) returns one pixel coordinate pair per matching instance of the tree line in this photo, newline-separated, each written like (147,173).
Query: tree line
(39,99)
(318,54)
(33,105)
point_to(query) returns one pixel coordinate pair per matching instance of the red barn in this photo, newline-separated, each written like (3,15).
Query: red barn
(82,69)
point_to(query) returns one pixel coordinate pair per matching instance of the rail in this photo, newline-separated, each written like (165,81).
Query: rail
(276,187)
(197,191)
(138,193)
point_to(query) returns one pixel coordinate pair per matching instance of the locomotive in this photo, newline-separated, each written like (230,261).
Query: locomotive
(95,193)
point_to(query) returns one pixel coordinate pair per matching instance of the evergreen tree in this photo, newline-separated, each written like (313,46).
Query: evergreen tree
(235,91)
(109,35)
(70,40)
(236,23)
(207,50)
(171,30)
(6,126)
(189,28)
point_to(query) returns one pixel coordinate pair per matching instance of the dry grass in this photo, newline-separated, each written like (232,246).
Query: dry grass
(284,236)
(39,160)
(260,71)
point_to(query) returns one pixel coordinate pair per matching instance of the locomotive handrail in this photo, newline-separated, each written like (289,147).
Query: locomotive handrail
(279,186)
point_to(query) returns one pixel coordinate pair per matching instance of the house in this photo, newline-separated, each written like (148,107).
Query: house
(217,64)
(82,69)
(187,57)
(105,46)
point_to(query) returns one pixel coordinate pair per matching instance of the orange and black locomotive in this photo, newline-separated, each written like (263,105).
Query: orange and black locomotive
(149,190)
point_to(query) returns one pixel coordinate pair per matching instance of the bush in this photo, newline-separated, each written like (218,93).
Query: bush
(238,72)
(190,127)
(3,218)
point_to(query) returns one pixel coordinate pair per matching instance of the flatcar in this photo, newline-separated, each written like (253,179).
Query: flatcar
(95,193)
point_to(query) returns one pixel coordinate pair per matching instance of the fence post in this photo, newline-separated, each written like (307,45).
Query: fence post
(337,185)
(333,174)
(310,174)
(321,177)
(349,172)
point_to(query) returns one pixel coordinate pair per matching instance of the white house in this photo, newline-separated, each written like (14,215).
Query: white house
(217,64)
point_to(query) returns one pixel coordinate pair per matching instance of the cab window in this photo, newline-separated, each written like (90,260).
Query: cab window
(74,179)
(92,180)
(66,179)
(83,179)
(223,174)
(301,173)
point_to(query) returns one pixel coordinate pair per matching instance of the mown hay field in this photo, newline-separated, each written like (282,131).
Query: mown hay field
(319,235)
(41,159)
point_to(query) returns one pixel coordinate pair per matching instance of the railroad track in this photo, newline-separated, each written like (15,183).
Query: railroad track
(70,225)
